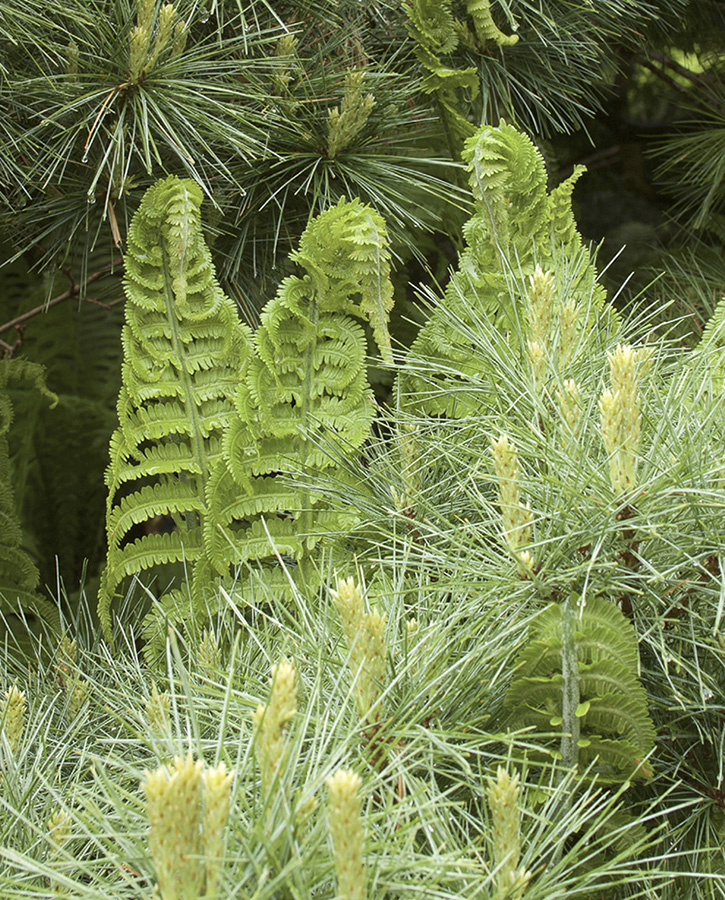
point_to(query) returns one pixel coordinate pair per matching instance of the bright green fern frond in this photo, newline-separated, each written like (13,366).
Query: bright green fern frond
(563,225)
(518,230)
(305,402)
(437,32)
(444,81)
(149,551)
(185,353)
(352,272)
(614,728)
(507,170)
(486,28)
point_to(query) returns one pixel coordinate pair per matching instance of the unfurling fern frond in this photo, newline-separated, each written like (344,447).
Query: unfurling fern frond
(18,574)
(518,229)
(486,28)
(433,25)
(595,662)
(437,32)
(305,400)
(185,352)
(345,253)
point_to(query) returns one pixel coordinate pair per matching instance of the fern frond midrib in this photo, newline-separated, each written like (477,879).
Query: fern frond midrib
(380,314)
(306,406)
(197,440)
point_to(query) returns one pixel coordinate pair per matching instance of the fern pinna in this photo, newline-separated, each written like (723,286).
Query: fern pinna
(518,228)
(185,352)
(305,400)
(578,674)
(18,574)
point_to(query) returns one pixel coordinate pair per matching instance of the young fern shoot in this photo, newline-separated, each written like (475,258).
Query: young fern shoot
(305,402)
(525,272)
(184,354)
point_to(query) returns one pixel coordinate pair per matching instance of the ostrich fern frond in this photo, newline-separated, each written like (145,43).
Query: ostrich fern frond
(306,396)
(184,354)
(518,229)
(611,725)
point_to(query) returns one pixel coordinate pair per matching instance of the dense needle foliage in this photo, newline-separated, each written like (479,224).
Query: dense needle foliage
(406,578)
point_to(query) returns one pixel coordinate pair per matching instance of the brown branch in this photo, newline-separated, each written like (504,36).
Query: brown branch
(695,77)
(660,73)
(702,80)
(72,291)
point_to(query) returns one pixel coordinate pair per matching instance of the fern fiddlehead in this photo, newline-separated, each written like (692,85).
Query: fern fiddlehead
(486,28)
(435,30)
(184,354)
(433,24)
